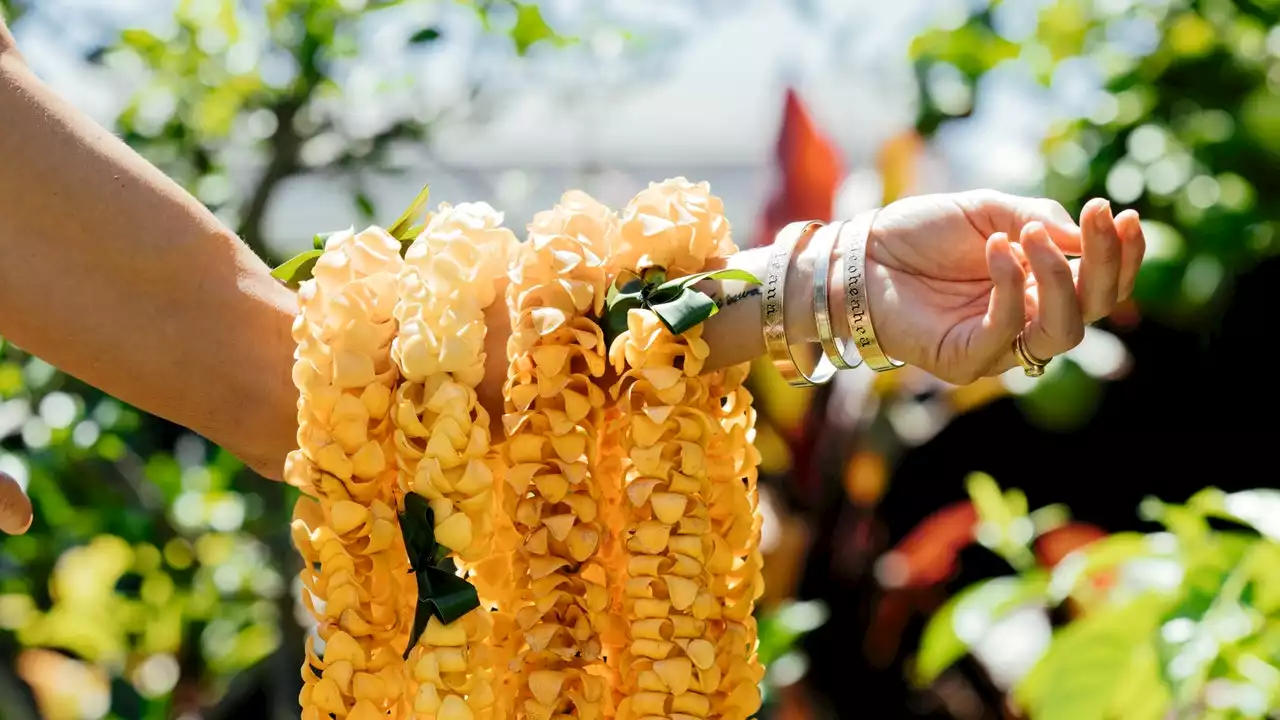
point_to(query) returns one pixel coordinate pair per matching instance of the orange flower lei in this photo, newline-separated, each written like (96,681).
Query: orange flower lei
(554,411)
(690,646)
(614,546)
(442,435)
(350,538)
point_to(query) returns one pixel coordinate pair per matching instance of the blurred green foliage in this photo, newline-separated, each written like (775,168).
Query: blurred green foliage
(1183,622)
(1186,129)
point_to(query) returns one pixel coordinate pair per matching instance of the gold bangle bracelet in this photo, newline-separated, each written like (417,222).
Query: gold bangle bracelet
(827,240)
(772,315)
(857,302)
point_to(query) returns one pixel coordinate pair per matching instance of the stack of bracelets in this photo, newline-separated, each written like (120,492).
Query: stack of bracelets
(848,239)
(599,559)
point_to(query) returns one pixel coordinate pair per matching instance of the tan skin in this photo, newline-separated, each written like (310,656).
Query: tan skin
(91,235)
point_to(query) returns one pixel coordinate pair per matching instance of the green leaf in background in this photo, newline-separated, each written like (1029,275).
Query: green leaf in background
(1090,661)
(295,271)
(402,228)
(964,618)
(1100,556)
(365,206)
(531,28)
(781,627)
(424,36)
(1258,509)
(319,239)
(1003,525)
(1190,526)
(685,311)
(1143,696)
(987,499)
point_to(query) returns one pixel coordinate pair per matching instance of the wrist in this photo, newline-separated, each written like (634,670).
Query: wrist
(800,313)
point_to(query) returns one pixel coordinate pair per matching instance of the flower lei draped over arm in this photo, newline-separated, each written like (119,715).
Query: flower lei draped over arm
(602,560)
(442,437)
(692,639)
(553,421)
(348,535)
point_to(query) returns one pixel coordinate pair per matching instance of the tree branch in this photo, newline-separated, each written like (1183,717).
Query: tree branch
(284,163)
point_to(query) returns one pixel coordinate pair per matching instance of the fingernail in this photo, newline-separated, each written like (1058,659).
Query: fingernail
(1104,218)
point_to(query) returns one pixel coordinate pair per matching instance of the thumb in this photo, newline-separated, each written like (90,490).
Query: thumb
(15,507)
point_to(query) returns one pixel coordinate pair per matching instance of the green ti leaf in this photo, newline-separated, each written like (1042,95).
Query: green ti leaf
(417,527)
(615,317)
(726,274)
(688,309)
(676,303)
(297,270)
(440,592)
(405,225)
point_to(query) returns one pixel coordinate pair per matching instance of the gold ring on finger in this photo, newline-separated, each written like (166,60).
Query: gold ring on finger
(1031,365)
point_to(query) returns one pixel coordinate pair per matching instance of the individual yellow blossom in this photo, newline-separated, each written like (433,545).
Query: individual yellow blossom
(676,225)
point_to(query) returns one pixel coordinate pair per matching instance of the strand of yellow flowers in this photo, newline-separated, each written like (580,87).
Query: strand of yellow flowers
(349,535)
(554,414)
(690,648)
(442,436)
(734,508)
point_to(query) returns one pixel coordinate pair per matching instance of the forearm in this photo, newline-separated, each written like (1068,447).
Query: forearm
(114,274)
(735,332)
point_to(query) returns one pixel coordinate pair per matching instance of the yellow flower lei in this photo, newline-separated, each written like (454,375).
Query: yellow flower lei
(349,538)
(554,411)
(614,546)
(442,435)
(690,646)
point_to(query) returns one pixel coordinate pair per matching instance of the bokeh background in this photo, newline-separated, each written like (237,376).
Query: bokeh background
(158,579)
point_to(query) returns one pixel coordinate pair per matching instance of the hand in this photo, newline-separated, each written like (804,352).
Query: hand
(950,291)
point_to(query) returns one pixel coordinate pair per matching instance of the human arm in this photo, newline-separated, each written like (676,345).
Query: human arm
(114,274)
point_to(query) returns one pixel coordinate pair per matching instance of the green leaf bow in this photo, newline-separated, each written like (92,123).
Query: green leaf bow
(676,303)
(440,591)
(296,270)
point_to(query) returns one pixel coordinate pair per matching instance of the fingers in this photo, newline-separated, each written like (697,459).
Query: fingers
(1100,266)
(1058,324)
(1133,245)
(1006,310)
(15,507)
(994,211)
